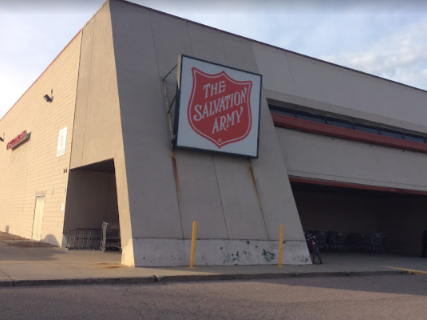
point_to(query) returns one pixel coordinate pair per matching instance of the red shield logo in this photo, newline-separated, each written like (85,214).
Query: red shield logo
(219,109)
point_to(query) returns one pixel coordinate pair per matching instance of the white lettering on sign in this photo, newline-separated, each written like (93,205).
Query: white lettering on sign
(218,108)
(218,105)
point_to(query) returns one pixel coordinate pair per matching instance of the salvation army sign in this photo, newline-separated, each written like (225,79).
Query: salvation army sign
(217,108)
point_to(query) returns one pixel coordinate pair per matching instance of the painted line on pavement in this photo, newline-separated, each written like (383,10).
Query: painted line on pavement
(410,271)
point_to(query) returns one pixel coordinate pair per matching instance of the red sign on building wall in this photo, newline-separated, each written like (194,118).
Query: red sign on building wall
(217,108)
(20,138)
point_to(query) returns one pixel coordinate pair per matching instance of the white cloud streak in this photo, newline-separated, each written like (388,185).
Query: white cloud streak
(401,56)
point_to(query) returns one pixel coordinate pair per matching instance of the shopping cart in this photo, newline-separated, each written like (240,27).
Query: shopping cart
(110,236)
(83,239)
(337,241)
(377,242)
(365,242)
(321,237)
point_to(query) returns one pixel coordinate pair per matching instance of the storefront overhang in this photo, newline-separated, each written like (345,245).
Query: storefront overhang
(347,185)
(343,133)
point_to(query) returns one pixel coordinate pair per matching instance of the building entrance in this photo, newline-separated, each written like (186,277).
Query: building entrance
(363,220)
(91,201)
(38,218)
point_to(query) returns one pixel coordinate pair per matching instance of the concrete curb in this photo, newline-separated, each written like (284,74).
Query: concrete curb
(67,282)
(191,278)
(220,277)
(7,283)
(223,277)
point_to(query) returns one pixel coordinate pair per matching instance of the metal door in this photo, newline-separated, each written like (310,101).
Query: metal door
(38,218)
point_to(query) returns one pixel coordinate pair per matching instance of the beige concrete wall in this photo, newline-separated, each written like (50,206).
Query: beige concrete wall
(231,198)
(150,176)
(97,129)
(94,200)
(293,78)
(320,157)
(34,168)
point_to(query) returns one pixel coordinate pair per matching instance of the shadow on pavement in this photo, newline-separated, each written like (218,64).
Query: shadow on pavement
(16,248)
(361,264)
(379,284)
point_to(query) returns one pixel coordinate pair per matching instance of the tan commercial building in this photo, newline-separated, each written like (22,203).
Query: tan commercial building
(299,142)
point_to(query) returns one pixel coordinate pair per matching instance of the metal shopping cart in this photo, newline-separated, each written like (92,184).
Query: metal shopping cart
(377,242)
(82,239)
(110,236)
(321,238)
(337,241)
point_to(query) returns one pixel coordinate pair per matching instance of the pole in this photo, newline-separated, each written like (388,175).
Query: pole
(193,244)
(281,246)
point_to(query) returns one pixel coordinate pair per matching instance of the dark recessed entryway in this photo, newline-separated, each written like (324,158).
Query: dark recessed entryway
(400,216)
(91,200)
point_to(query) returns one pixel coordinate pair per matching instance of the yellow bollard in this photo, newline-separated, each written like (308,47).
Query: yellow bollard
(193,244)
(281,246)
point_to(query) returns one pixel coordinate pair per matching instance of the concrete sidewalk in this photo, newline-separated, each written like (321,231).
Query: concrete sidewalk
(25,266)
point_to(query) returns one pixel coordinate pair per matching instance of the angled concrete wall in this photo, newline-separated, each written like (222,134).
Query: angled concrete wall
(233,199)
(152,194)
(97,126)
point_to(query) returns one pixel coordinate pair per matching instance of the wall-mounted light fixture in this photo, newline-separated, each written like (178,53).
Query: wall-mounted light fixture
(1,139)
(49,98)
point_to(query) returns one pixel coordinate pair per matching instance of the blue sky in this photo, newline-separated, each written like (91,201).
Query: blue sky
(385,38)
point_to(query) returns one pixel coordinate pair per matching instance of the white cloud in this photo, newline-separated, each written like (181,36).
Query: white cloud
(401,56)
